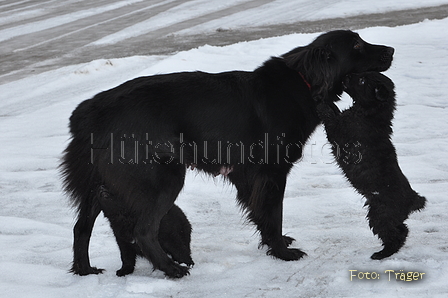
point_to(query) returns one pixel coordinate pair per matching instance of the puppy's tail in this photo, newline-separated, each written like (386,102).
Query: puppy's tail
(418,203)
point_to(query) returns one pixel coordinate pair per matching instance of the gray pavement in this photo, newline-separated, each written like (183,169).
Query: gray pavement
(68,43)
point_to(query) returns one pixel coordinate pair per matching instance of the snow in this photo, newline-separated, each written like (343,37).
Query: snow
(177,14)
(55,21)
(287,11)
(321,210)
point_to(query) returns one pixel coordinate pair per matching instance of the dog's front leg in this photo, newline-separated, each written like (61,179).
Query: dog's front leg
(329,116)
(266,211)
(326,113)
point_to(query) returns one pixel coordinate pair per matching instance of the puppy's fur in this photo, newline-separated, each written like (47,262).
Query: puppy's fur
(174,232)
(361,141)
(139,138)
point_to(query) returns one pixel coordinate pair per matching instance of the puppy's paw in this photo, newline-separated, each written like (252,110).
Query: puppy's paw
(177,271)
(379,255)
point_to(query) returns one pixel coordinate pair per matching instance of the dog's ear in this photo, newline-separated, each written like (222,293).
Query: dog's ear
(381,93)
(294,59)
(307,59)
(315,65)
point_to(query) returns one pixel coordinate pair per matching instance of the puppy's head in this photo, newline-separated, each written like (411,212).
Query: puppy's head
(370,89)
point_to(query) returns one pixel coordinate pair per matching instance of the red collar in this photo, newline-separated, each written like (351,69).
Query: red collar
(306,82)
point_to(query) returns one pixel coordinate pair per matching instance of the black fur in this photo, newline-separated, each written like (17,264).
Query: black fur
(139,138)
(360,139)
(174,232)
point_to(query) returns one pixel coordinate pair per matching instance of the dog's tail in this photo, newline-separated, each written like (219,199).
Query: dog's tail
(80,178)
(418,203)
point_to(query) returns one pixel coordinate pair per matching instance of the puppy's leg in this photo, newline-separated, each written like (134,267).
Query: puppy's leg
(174,245)
(82,232)
(418,202)
(175,236)
(388,223)
(153,200)
(328,113)
(262,196)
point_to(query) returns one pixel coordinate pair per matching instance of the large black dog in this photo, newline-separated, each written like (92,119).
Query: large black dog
(361,144)
(139,138)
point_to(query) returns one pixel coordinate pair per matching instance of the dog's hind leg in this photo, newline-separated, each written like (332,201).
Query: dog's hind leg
(262,197)
(122,224)
(153,200)
(388,223)
(128,255)
(87,214)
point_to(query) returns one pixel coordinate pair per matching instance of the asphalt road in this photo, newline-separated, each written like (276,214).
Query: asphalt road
(69,42)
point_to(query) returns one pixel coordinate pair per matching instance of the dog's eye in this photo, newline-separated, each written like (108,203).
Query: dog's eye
(357,45)
(361,81)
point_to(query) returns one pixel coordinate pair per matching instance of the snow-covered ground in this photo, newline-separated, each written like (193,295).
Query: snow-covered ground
(34,17)
(322,211)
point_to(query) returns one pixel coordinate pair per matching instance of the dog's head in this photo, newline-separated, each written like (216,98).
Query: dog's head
(370,90)
(333,55)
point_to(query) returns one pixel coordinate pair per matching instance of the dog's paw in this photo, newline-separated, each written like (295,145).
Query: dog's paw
(176,271)
(289,254)
(187,260)
(189,263)
(379,256)
(86,271)
(125,270)
(288,240)
(386,252)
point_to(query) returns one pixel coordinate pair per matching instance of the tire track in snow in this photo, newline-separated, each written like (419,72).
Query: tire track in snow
(24,55)
(65,44)
(55,21)
(42,10)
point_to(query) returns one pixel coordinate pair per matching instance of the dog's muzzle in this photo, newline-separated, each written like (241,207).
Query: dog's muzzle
(387,55)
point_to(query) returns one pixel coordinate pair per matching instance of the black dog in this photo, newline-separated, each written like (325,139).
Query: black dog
(174,232)
(361,144)
(138,139)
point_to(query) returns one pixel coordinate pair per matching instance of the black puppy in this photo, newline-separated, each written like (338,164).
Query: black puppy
(361,144)
(174,232)
(139,138)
